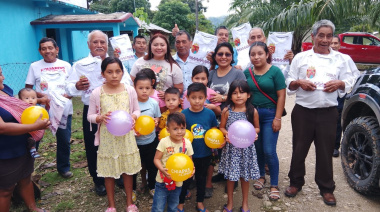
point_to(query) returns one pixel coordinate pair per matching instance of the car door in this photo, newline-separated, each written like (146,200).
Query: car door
(371,46)
(351,45)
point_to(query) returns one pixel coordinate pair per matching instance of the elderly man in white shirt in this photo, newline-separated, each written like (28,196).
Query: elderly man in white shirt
(85,77)
(317,77)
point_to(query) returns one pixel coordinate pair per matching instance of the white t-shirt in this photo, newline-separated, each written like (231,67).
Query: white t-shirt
(280,43)
(166,76)
(49,76)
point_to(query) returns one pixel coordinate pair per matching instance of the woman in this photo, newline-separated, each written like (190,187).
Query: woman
(219,81)
(16,163)
(269,80)
(159,59)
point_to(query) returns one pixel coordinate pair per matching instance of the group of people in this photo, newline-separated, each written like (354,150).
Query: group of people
(158,84)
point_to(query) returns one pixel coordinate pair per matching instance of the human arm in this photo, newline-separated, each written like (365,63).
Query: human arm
(214,108)
(158,164)
(289,56)
(256,123)
(93,110)
(134,108)
(276,124)
(223,122)
(7,128)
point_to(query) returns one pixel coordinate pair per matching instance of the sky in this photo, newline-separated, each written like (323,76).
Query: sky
(218,8)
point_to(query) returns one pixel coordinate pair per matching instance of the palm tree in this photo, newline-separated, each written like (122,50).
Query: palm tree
(299,15)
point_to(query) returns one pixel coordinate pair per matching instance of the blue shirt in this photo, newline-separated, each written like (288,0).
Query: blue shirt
(129,63)
(11,146)
(187,70)
(198,123)
(151,109)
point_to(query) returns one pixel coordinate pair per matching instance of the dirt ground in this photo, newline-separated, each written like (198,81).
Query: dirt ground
(308,199)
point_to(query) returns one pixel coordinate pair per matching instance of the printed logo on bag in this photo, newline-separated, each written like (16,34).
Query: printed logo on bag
(117,50)
(44,86)
(195,48)
(198,130)
(272,48)
(310,73)
(237,41)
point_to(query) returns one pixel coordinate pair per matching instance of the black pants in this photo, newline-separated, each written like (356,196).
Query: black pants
(339,123)
(147,153)
(201,165)
(318,125)
(91,149)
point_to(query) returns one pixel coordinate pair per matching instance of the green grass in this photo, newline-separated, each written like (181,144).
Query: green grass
(63,206)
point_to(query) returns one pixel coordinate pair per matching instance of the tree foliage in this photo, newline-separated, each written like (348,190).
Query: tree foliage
(111,6)
(190,3)
(300,15)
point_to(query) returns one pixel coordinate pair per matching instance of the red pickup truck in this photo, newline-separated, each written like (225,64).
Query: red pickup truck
(361,46)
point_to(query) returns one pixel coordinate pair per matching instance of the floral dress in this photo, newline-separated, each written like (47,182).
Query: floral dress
(116,154)
(236,163)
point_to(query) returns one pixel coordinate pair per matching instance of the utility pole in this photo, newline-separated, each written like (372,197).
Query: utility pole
(196,15)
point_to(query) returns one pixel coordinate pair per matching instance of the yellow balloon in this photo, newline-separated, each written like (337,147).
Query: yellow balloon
(32,113)
(189,135)
(180,167)
(163,133)
(214,138)
(144,125)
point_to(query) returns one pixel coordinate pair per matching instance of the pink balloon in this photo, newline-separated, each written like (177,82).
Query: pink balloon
(241,134)
(120,123)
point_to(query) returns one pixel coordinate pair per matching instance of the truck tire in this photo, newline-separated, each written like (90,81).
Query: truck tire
(361,155)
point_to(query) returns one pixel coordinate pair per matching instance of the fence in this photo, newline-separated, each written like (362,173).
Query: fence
(15,75)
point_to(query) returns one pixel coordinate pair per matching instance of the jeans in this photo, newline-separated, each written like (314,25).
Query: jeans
(163,196)
(266,144)
(63,147)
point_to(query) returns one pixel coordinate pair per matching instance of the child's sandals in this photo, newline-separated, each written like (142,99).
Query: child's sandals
(132,208)
(258,185)
(111,210)
(274,195)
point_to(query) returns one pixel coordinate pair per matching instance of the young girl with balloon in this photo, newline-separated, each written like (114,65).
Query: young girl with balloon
(118,153)
(147,144)
(238,159)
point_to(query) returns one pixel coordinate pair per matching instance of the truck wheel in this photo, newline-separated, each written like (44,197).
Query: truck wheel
(361,155)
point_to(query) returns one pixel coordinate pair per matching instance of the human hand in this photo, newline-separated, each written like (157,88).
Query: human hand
(41,124)
(156,121)
(116,54)
(226,139)
(256,137)
(276,125)
(306,85)
(165,173)
(161,95)
(67,96)
(289,56)
(215,98)
(209,56)
(210,106)
(82,84)
(333,85)
(175,30)
(103,118)
(238,67)
(192,174)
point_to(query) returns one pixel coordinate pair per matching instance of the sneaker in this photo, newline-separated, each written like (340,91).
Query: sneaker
(132,208)
(100,190)
(151,192)
(336,153)
(34,153)
(67,174)
(111,210)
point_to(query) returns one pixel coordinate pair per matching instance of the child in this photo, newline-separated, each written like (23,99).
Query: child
(175,143)
(236,162)
(198,120)
(147,144)
(117,155)
(200,74)
(29,95)
(172,101)
(154,93)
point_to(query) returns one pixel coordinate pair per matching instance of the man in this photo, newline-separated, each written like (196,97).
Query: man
(257,34)
(183,44)
(47,75)
(335,45)
(316,77)
(139,46)
(85,77)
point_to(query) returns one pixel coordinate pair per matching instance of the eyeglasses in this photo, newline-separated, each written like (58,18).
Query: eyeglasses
(220,54)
